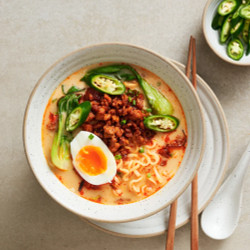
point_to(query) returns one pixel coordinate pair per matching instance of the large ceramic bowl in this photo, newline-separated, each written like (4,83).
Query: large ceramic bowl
(212,36)
(114,53)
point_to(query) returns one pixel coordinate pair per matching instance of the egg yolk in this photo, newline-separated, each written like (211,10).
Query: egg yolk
(91,160)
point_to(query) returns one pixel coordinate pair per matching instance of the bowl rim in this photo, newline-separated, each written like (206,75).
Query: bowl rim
(229,60)
(168,61)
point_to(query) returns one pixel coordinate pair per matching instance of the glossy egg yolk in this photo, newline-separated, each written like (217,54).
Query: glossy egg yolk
(91,160)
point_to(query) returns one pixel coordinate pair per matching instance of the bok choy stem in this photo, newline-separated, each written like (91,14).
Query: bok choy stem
(60,152)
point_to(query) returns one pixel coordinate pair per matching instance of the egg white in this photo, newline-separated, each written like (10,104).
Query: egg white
(82,139)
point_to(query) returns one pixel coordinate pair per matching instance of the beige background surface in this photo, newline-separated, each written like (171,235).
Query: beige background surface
(34,34)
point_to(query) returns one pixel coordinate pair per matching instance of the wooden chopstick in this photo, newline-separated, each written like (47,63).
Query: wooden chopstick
(171,226)
(194,81)
(194,215)
(194,204)
(189,60)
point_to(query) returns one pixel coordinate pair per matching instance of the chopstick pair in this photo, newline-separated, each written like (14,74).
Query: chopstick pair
(191,64)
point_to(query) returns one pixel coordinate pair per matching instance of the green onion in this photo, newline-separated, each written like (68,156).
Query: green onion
(141,150)
(149,110)
(63,90)
(118,157)
(148,175)
(134,102)
(91,136)
(74,89)
(96,198)
(119,173)
(123,122)
(130,99)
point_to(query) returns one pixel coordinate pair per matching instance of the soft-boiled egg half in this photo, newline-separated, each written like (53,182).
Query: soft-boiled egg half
(92,159)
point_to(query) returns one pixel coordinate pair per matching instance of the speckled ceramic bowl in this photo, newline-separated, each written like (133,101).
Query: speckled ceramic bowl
(212,36)
(114,53)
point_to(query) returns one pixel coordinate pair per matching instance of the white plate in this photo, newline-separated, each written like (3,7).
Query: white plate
(210,174)
(212,36)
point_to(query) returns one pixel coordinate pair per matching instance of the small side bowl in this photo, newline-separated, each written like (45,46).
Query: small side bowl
(114,53)
(212,36)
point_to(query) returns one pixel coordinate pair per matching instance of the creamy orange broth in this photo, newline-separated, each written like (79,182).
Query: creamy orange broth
(105,193)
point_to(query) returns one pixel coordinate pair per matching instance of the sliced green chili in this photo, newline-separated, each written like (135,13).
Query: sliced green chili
(227,6)
(217,21)
(107,84)
(245,30)
(234,16)
(161,123)
(235,49)
(236,13)
(78,116)
(248,45)
(245,12)
(237,27)
(225,31)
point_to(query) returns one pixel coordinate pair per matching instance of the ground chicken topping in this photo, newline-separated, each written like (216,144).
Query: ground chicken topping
(179,142)
(117,120)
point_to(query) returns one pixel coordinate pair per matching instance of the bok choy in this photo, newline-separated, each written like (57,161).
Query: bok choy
(60,152)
